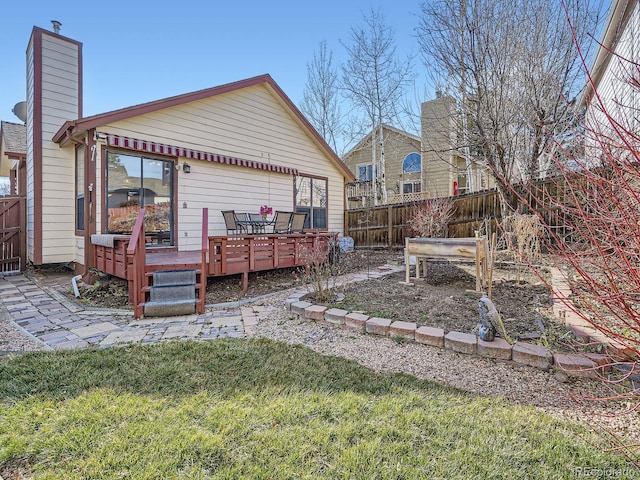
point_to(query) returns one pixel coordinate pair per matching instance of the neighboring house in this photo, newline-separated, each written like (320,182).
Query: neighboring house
(613,85)
(233,147)
(403,167)
(417,168)
(446,171)
(13,154)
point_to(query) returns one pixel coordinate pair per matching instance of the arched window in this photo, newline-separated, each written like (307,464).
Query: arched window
(412,163)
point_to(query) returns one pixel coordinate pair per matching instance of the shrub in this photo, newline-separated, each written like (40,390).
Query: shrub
(431,219)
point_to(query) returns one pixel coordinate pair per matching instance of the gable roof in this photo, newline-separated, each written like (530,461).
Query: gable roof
(619,12)
(362,143)
(14,137)
(72,128)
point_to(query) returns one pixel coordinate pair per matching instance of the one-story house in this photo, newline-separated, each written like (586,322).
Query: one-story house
(236,146)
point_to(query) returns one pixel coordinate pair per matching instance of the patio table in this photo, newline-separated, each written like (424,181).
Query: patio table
(256,223)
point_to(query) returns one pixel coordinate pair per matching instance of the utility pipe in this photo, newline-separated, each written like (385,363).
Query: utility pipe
(74,282)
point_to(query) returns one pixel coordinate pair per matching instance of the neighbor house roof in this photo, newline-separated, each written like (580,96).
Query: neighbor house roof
(619,12)
(363,143)
(72,128)
(14,138)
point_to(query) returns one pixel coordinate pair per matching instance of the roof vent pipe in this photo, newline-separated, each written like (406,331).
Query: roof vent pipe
(56,26)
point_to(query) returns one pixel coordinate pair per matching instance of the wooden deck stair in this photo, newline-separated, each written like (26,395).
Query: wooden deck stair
(172,292)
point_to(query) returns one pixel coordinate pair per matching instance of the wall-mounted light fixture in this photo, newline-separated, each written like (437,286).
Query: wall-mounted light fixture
(186,168)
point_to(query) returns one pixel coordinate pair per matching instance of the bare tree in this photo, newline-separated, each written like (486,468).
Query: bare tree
(374,79)
(320,96)
(512,66)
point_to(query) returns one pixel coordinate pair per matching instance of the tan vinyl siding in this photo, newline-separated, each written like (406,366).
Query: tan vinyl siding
(250,124)
(59,104)
(613,88)
(438,133)
(29,163)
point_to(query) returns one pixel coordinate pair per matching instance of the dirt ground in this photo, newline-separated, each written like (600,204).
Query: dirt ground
(445,299)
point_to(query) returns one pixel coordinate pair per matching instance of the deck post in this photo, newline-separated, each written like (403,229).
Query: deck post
(245,281)
(136,265)
(202,291)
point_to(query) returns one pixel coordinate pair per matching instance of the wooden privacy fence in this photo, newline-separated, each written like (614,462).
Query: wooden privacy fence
(13,237)
(388,225)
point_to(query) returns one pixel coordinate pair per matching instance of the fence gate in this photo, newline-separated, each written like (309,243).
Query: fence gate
(13,238)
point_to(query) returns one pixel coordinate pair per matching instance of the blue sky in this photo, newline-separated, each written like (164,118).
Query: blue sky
(139,51)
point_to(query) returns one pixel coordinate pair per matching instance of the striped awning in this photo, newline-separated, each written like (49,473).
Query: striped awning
(162,149)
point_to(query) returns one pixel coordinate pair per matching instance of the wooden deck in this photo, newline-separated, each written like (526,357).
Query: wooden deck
(223,255)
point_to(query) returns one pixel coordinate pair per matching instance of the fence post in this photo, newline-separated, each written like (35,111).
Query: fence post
(390,226)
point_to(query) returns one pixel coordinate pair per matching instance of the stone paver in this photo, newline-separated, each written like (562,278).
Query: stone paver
(405,330)
(378,326)
(122,337)
(430,336)
(498,348)
(335,316)
(533,355)
(461,342)
(315,312)
(94,329)
(356,320)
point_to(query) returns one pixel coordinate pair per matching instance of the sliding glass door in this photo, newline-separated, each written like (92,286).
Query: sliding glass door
(134,182)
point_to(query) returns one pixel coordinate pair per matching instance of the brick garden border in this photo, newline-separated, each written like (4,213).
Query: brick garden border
(537,356)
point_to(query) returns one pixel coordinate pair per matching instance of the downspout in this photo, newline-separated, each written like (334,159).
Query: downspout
(89,181)
(90,157)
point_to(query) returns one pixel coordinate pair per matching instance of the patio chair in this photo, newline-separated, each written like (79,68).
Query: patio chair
(297,222)
(282,222)
(232,222)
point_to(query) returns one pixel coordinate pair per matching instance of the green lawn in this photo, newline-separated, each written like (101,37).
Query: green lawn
(259,409)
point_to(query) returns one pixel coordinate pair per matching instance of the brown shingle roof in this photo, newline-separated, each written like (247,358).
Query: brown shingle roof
(14,136)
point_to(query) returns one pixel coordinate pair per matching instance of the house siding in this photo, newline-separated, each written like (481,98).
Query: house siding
(251,124)
(619,99)
(30,190)
(438,127)
(53,92)
(60,102)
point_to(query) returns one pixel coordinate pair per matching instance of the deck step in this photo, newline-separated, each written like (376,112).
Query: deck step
(174,277)
(173,293)
(170,309)
(170,293)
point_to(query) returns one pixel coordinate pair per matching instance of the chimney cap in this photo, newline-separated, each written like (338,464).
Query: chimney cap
(56,26)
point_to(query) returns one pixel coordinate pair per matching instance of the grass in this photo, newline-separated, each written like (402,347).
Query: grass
(259,409)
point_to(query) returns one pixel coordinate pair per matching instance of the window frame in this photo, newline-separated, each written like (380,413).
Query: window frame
(79,217)
(172,183)
(311,211)
(407,158)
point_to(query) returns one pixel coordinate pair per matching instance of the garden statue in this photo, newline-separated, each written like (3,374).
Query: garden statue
(488,319)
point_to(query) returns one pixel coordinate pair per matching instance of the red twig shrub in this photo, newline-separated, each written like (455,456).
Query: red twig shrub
(590,212)
(431,219)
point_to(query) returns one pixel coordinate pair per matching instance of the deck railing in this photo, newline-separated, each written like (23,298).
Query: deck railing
(136,265)
(230,255)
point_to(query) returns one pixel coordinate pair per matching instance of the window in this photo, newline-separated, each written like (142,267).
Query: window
(412,163)
(133,182)
(364,172)
(80,188)
(311,198)
(411,187)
